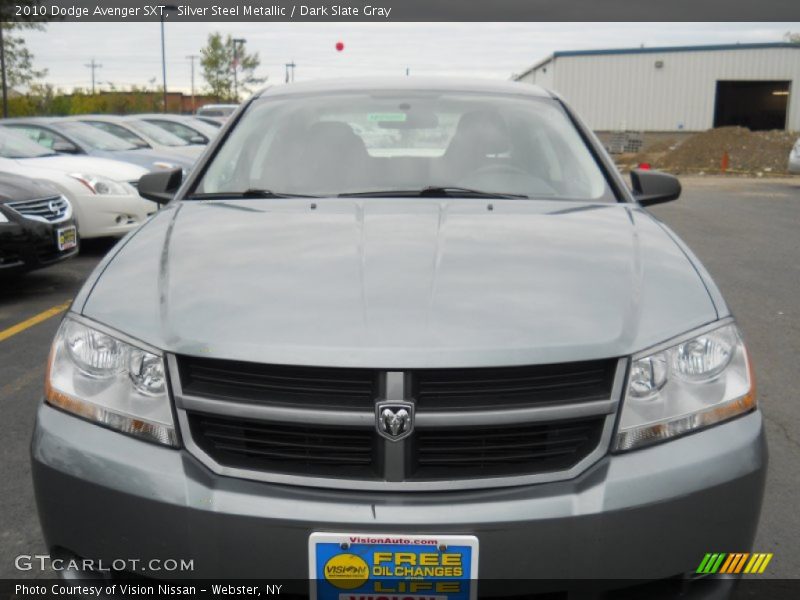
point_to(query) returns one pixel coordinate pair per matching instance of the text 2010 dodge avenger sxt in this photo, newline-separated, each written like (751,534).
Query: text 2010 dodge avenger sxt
(402,328)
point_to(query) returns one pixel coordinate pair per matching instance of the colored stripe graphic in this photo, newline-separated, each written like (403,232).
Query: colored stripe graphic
(733,563)
(711,563)
(758,563)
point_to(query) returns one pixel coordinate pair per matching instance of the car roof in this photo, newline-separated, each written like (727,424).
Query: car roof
(450,84)
(95,117)
(33,120)
(166,116)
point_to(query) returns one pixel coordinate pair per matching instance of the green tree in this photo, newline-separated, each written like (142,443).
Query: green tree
(791,37)
(227,74)
(20,72)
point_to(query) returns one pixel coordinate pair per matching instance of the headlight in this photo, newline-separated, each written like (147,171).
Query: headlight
(100,185)
(109,381)
(699,382)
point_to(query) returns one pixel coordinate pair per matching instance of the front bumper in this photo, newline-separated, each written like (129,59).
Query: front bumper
(26,244)
(110,215)
(647,514)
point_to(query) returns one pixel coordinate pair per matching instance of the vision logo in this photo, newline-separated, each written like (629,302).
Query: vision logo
(346,571)
(734,563)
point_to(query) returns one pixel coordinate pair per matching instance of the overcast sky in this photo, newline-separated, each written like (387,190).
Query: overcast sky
(131,52)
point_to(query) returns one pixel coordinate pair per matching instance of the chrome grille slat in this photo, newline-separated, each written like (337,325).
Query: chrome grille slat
(41,208)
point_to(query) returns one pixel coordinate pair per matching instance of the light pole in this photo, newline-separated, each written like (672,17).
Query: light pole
(237,42)
(164,10)
(3,69)
(192,58)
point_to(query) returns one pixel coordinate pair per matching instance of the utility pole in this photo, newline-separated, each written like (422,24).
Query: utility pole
(164,10)
(288,66)
(237,42)
(192,58)
(163,64)
(93,66)
(3,69)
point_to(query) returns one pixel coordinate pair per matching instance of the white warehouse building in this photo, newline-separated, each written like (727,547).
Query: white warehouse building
(683,88)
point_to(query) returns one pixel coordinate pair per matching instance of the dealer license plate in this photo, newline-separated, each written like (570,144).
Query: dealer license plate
(345,566)
(66,238)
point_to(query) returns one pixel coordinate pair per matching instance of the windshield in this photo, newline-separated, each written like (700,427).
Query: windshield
(94,137)
(120,132)
(14,145)
(155,133)
(216,111)
(202,126)
(387,142)
(185,132)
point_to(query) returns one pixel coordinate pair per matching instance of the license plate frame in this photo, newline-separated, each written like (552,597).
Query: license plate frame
(66,238)
(328,549)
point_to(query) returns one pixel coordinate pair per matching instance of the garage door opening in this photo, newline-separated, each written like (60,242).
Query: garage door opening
(757,105)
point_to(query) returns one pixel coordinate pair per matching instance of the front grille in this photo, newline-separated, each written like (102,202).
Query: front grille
(508,450)
(50,209)
(471,425)
(279,385)
(448,389)
(285,448)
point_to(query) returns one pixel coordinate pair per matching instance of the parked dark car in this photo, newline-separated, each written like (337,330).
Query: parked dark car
(71,136)
(37,228)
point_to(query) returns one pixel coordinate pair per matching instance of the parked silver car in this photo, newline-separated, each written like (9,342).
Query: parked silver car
(794,158)
(394,330)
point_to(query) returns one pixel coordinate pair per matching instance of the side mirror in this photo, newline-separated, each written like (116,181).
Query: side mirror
(160,186)
(198,139)
(654,187)
(65,148)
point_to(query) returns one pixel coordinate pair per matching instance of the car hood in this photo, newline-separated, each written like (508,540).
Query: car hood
(189,152)
(397,283)
(114,169)
(147,158)
(15,188)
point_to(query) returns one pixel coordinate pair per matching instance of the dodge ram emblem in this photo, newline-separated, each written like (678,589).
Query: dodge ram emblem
(395,420)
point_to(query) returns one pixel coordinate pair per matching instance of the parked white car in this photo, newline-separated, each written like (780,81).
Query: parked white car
(794,158)
(102,191)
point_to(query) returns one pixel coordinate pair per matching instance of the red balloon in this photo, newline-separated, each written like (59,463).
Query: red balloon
(339,46)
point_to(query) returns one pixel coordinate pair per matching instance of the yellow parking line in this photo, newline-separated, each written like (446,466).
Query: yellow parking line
(34,320)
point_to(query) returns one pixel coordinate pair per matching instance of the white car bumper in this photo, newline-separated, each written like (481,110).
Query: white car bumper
(106,215)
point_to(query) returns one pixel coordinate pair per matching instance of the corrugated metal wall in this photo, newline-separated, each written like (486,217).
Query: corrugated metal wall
(627,92)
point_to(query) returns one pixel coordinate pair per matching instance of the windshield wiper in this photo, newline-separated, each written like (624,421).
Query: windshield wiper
(433,191)
(251,193)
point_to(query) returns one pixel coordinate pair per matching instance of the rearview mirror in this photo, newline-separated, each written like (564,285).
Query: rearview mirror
(65,148)
(654,187)
(160,186)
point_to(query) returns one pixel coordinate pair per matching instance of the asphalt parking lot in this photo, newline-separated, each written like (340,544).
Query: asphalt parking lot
(746,231)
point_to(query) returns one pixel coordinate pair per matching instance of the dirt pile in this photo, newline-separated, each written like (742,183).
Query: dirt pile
(748,151)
